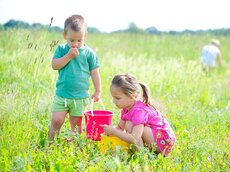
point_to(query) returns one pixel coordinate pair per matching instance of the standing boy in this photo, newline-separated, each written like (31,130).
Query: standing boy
(75,63)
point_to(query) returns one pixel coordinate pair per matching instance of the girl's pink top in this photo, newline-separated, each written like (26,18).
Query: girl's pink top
(149,116)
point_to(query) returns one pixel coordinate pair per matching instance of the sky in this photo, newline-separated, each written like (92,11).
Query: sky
(111,15)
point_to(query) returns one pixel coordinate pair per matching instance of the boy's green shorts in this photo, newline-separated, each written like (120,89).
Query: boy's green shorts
(75,107)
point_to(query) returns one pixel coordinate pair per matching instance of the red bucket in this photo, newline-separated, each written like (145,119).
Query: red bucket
(93,119)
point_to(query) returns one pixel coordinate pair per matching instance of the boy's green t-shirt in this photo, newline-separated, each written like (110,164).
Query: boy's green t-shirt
(73,78)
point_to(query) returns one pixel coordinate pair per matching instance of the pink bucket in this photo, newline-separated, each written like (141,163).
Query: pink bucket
(93,119)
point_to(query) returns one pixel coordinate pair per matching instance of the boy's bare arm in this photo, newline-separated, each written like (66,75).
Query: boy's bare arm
(58,63)
(97,84)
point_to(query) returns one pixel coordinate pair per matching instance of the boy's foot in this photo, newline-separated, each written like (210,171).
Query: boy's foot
(71,139)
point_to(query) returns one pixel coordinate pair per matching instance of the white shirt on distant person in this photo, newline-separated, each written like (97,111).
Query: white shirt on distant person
(209,55)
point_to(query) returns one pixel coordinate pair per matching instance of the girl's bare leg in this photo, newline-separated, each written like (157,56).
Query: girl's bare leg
(148,139)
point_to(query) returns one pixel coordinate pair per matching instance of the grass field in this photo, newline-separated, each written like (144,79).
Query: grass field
(196,104)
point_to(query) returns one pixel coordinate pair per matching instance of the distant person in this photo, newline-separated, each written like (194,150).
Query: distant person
(210,54)
(143,124)
(76,63)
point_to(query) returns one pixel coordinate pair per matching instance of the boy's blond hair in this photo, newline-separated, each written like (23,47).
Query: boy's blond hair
(75,23)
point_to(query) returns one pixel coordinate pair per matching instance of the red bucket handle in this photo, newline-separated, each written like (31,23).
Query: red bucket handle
(91,105)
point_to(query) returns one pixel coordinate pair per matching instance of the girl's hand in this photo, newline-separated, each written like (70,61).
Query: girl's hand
(108,130)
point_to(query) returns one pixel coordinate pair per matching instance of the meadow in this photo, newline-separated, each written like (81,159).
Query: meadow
(196,104)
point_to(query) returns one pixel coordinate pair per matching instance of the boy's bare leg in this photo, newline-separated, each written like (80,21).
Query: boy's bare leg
(58,119)
(76,121)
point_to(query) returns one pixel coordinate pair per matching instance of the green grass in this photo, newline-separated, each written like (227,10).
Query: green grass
(197,105)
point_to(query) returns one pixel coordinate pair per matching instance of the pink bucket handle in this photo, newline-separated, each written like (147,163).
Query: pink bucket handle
(91,105)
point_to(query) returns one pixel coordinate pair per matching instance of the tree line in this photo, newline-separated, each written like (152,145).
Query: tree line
(132,28)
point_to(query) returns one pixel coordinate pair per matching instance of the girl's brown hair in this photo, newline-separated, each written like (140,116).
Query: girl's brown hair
(131,86)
